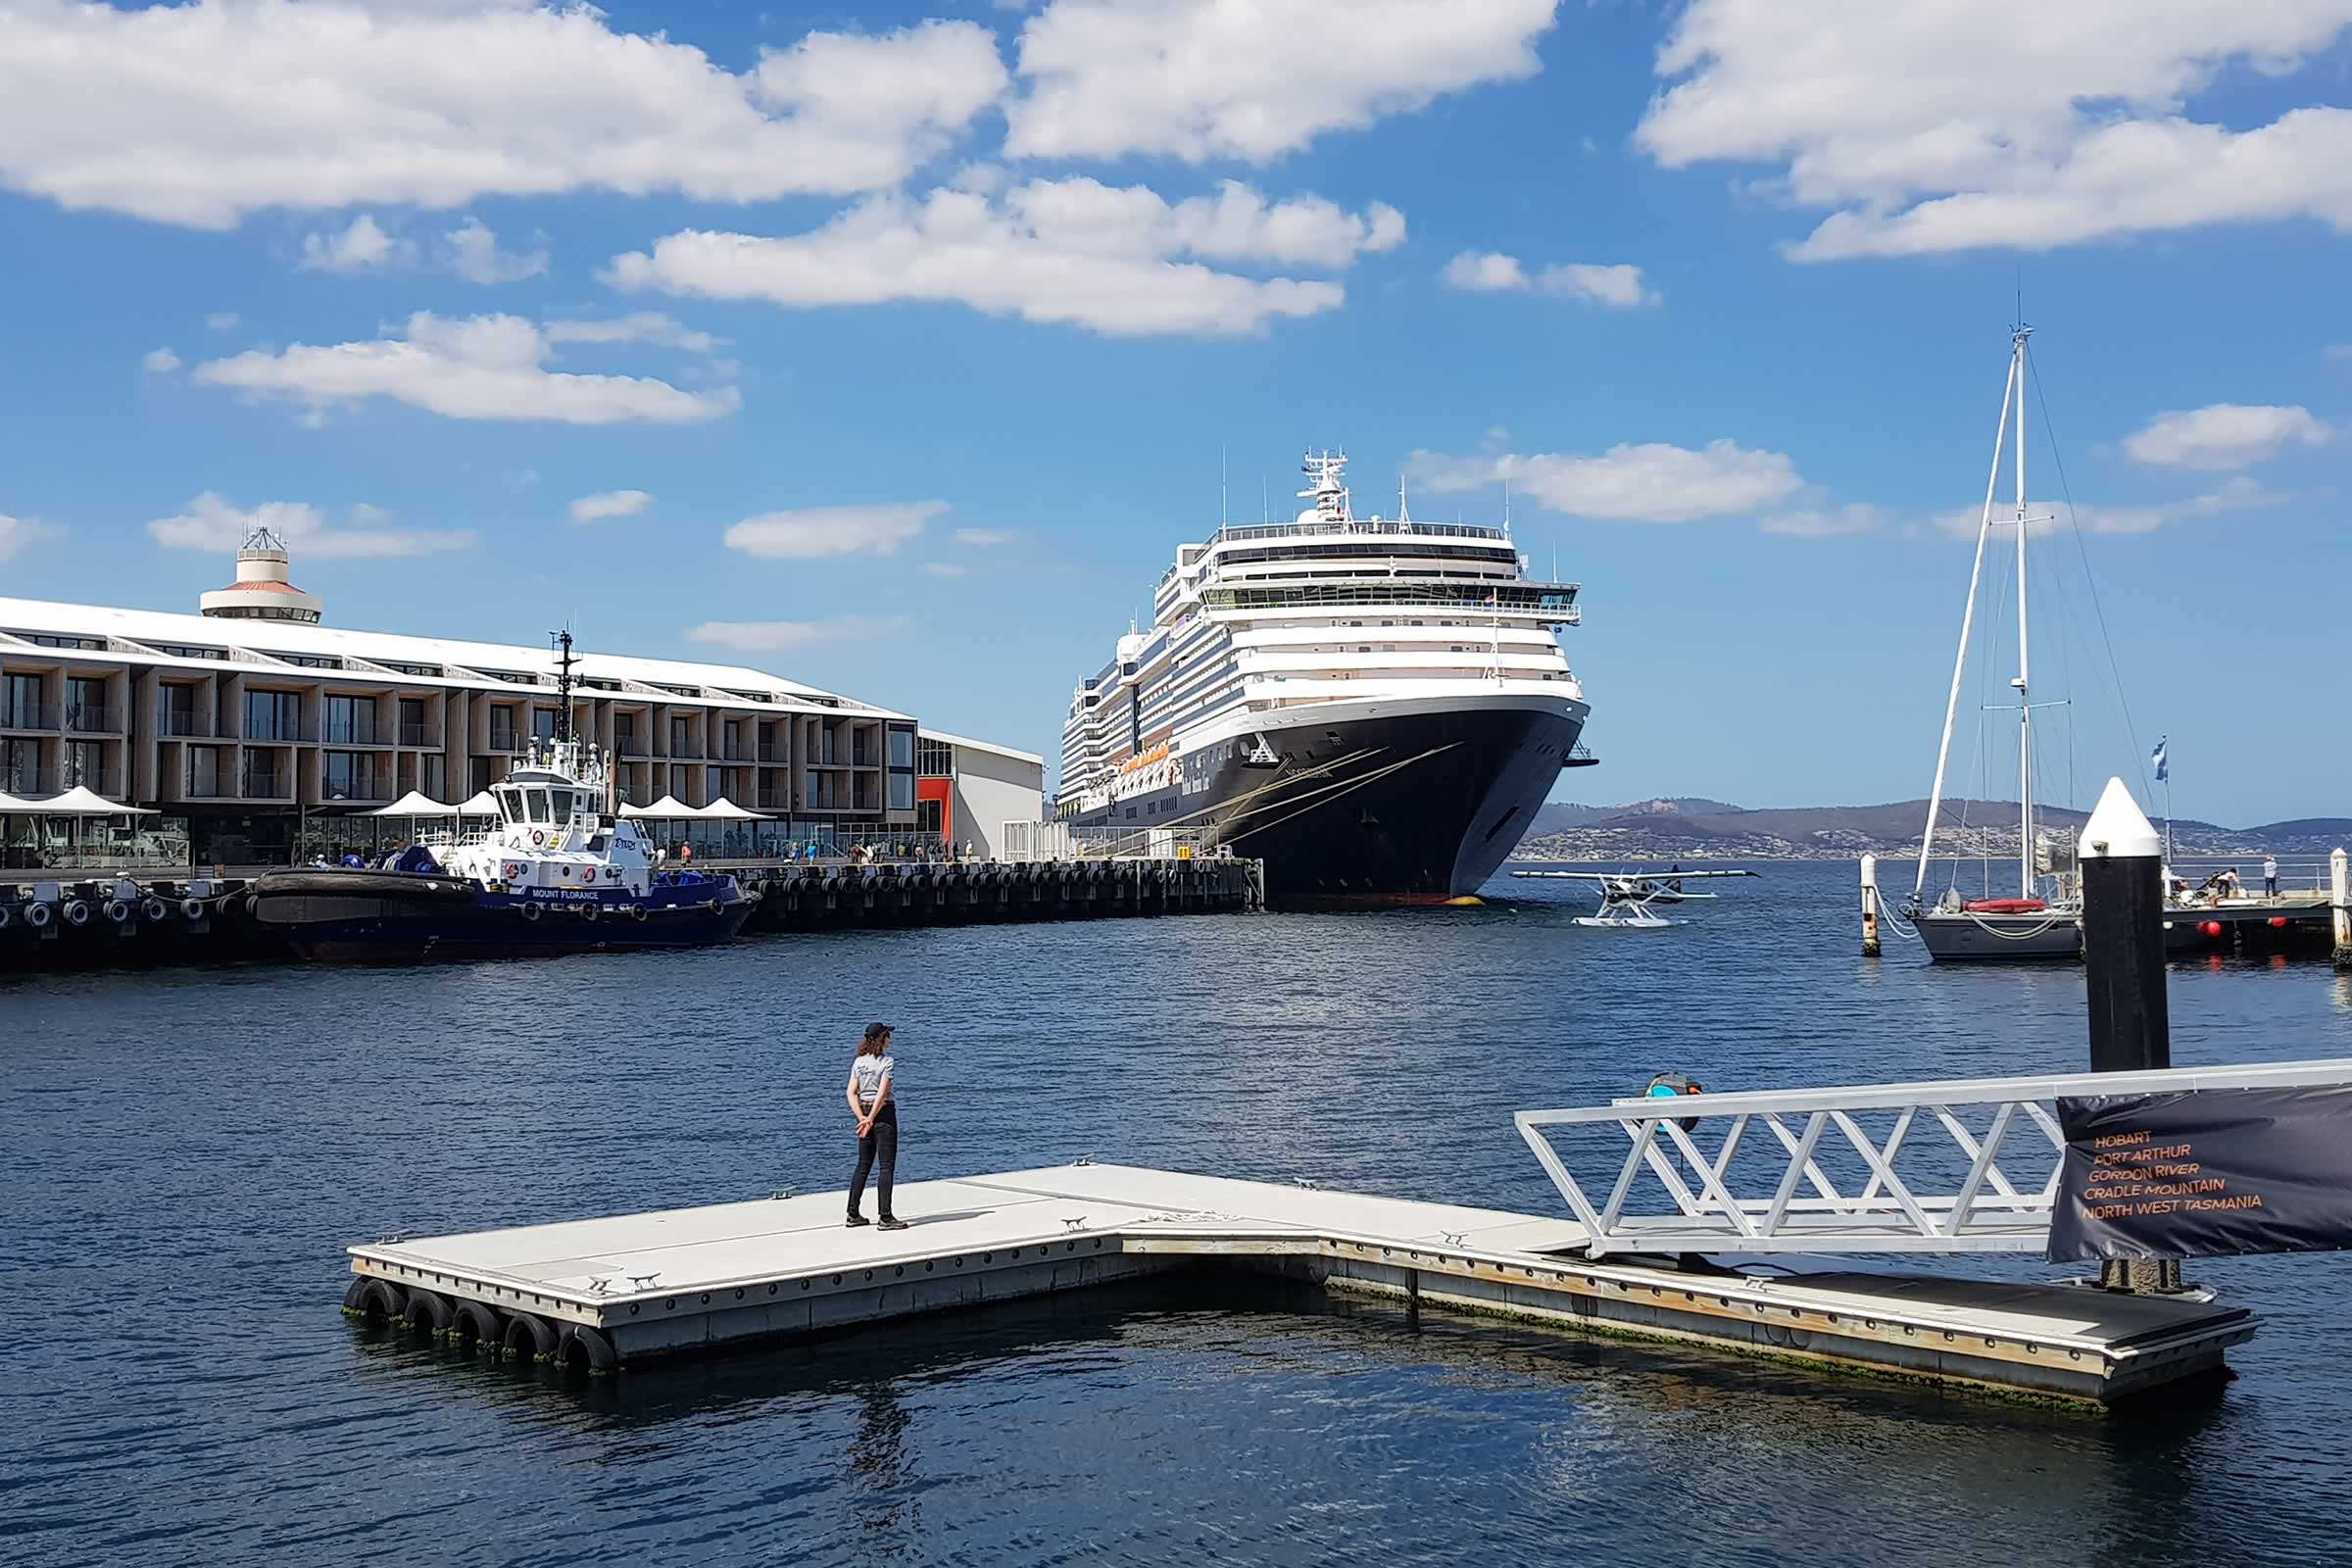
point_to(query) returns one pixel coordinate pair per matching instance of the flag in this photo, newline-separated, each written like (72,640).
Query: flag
(2157,757)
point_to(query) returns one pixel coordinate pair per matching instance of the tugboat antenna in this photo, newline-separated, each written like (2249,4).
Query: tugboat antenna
(564,663)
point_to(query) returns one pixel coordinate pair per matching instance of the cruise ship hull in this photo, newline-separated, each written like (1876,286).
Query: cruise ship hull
(1374,803)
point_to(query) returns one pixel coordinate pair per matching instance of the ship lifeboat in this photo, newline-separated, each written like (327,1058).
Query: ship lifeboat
(2005,906)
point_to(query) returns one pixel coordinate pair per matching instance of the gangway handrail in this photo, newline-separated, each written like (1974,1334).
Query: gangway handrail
(1806,1209)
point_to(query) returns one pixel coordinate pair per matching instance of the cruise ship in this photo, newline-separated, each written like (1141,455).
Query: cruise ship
(1374,707)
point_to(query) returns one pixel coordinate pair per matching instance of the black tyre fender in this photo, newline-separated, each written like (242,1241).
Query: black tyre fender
(427,1312)
(531,911)
(380,1298)
(527,1338)
(354,1300)
(638,913)
(579,1345)
(476,1325)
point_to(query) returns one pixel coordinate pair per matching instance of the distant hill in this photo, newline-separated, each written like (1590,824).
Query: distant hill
(1693,828)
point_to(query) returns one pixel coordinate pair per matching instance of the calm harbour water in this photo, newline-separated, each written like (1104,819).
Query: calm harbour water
(184,1153)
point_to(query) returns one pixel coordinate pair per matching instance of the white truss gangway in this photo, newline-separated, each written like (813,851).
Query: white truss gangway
(1966,1166)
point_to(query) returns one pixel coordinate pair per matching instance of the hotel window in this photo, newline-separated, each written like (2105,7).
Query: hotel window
(902,748)
(20,702)
(411,721)
(78,761)
(272,716)
(714,784)
(543,723)
(85,705)
(176,709)
(502,730)
(348,775)
(351,720)
(681,736)
(934,758)
(20,767)
(901,792)
(436,774)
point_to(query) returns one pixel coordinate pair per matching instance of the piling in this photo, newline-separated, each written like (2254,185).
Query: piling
(2123,971)
(1870,906)
(2339,907)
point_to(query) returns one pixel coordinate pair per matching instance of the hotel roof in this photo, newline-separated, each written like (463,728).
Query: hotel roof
(149,636)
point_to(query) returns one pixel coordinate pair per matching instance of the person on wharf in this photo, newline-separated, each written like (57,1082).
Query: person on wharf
(877,1111)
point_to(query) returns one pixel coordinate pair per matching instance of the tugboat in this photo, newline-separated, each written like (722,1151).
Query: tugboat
(562,872)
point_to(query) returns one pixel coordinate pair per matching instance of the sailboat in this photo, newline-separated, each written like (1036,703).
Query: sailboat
(2039,922)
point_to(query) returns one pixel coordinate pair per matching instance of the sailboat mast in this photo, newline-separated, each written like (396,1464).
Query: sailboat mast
(2024,669)
(1968,618)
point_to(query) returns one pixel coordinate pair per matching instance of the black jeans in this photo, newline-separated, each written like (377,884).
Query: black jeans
(878,1153)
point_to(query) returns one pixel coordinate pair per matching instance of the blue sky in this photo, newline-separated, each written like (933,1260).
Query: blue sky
(921,330)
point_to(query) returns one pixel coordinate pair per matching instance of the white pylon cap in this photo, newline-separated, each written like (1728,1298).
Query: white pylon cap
(2118,828)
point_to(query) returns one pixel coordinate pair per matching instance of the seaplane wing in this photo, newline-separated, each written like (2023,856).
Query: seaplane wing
(1626,896)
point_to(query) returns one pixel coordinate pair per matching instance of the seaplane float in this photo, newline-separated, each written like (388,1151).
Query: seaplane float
(1627,896)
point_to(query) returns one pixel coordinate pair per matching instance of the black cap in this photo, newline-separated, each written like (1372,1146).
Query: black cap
(877,1031)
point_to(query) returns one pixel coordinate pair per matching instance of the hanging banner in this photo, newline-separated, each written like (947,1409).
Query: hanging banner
(2206,1174)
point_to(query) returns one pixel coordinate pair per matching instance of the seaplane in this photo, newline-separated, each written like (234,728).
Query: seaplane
(1626,897)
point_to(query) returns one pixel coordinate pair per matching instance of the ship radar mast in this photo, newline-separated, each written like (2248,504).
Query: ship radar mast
(564,663)
(1329,494)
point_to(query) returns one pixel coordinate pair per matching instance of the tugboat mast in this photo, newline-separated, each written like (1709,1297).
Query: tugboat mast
(564,663)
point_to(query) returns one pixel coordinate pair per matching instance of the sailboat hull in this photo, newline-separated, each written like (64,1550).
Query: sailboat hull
(1969,936)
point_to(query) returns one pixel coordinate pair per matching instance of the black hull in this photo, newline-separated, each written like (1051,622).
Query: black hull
(1420,807)
(390,918)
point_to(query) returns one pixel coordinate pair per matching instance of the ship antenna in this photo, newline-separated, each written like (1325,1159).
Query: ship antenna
(1402,515)
(1222,518)
(564,663)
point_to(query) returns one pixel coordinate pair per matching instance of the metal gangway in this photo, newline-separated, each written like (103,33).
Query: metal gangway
(1965,1165)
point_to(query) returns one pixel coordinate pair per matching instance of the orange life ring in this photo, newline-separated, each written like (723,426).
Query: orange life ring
(589,875)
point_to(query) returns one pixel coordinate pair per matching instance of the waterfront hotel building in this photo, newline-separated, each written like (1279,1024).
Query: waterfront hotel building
(252,721)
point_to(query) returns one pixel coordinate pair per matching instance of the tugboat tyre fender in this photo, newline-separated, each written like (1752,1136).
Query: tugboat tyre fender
(153,908)
(6,915)
(531,911)
(474,1324)
(191,908)
(637,913)
(588,911)
(713,905)
(37,915)
(116,911)
(583,1345)
(428,1310)
(527,1338)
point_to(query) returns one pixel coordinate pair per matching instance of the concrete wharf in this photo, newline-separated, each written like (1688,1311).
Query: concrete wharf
(602,1294)
(69,919)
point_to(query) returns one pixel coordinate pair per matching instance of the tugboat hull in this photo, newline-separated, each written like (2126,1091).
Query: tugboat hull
(395,917)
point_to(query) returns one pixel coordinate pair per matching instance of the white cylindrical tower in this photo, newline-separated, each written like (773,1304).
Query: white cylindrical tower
(262,591)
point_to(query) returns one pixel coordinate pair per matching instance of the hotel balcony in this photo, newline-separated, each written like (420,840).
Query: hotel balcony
(189,725)
(84,720)
(630,745)
(38,783)
(425,736)
(27,715)
(504,740)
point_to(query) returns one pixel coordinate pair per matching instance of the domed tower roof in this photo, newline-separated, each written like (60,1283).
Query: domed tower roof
(262,591)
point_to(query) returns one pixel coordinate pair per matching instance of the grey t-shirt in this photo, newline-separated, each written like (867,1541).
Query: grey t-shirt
(867,1072)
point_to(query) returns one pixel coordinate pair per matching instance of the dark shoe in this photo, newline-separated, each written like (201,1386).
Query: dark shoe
(856,1220)
(889,1224)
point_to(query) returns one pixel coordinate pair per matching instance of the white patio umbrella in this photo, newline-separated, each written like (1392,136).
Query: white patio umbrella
(668,809)
(417,804)
(483,805)
(81,801)
(723,810)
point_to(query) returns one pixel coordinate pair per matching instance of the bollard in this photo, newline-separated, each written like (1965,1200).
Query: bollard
(2123,970)
(1870,906)
(2339,907)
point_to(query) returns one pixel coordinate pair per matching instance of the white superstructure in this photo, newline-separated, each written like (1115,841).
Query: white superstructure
(1264,627)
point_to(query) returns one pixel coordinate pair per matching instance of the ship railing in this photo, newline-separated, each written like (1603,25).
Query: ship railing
(1967,1166)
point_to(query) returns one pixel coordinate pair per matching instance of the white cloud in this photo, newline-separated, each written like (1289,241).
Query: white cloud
(221,320)
(214,523)
(610,504)
(1072,250)
(1951,125)
(814,532)
(2224,435)
(2337,351)
(361,246)
(202,113)
(479,367)
(471,249)
(1208,78)
(1618,285)
(2237,494)
(946,568)
(775,636)
(638,327)
(1653,482)
(1855,516)
(983,538)
(159,362)
(18,532)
